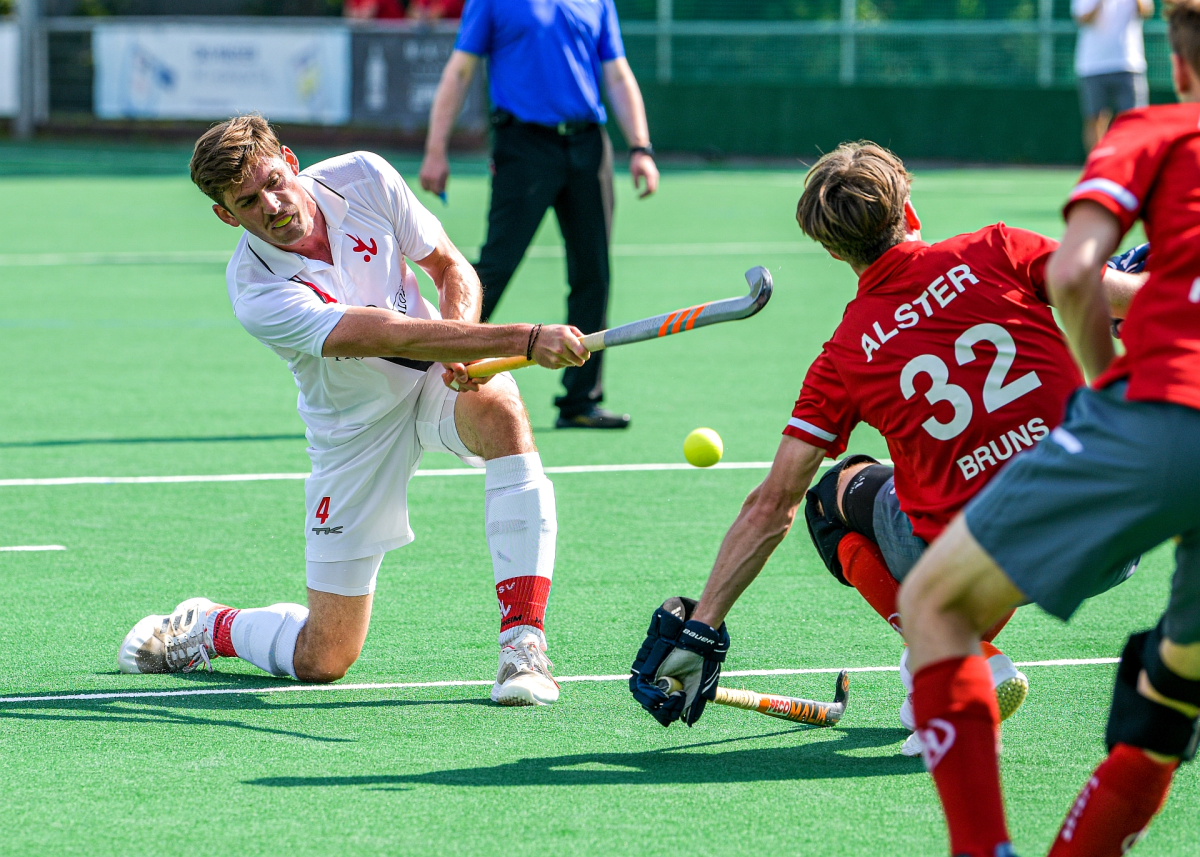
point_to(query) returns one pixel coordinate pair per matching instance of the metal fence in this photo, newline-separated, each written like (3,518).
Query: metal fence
(1033,47)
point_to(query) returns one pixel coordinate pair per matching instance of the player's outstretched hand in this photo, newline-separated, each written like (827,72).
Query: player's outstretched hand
(684,649)
(557,346)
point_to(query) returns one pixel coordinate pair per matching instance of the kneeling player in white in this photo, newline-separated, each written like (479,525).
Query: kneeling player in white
(319,277)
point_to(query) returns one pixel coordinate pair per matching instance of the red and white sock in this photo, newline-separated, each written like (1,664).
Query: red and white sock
(865,568)
(957,718)
(522,527)
(1115,806)
(220,622)
(263,636)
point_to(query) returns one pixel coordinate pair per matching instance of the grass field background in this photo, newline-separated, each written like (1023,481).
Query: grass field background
(140,369)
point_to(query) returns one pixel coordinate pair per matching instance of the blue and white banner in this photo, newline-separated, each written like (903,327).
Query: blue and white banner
(9,69)
(289,74)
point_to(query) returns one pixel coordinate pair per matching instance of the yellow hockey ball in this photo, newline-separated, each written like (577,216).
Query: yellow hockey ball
(703,447)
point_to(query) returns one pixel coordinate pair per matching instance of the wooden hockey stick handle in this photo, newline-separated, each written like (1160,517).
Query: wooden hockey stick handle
(496,365)
(784,707)
(791,708)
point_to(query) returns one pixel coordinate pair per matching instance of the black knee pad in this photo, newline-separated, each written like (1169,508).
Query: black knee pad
(826,526)
(858,503)
(1169,684)
(1142,722)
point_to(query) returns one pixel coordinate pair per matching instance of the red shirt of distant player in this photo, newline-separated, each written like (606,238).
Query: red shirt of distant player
(1148,166)
(950,351)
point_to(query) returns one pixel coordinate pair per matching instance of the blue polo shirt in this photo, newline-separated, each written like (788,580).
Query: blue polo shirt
(544,56)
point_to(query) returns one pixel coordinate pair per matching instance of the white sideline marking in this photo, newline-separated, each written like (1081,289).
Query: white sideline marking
(330,688)
(456,471)
(34,548)
(553,251)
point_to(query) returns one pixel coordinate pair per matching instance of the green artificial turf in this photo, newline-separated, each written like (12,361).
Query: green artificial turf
(140,369)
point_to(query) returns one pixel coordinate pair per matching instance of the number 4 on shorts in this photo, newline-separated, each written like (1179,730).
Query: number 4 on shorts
(323,510)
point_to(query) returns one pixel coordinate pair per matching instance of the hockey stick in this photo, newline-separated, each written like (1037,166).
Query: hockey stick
(784,707)
(714,312)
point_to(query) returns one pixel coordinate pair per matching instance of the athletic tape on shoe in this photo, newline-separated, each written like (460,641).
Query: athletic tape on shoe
(1142,722)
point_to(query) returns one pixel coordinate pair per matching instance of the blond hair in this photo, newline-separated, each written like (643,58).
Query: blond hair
(1183,30)
(853,202)
(225,154)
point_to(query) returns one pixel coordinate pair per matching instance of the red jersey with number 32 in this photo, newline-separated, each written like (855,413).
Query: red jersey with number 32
(1148,166)
(951,352)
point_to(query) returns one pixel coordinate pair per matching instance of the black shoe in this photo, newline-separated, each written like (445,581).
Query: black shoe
(594,418)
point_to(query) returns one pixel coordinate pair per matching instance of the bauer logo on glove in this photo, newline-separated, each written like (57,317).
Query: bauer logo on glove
(682,648)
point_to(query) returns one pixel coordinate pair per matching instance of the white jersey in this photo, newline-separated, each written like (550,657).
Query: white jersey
(1113,41)
(290,303)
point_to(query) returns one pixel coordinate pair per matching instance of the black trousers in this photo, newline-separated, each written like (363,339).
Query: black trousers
(536,168)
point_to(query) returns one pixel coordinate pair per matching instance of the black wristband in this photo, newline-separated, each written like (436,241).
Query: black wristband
(647,149)
(534,332)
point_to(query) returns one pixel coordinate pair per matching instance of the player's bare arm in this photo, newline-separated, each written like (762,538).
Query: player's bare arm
(1074,277)
(1119,289)
(447,104)
(459,291)
(763,522)
(460,296)
(374,332)
(625,96)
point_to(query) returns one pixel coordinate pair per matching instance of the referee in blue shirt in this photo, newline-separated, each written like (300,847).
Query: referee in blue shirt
(549,63)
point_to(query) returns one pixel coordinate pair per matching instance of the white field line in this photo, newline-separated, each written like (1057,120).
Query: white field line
(333,688)
(204,257)
(456,471)
(34,548)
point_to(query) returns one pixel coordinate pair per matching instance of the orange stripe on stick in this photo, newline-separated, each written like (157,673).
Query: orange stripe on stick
(679,321)
(662,331)
(692,320)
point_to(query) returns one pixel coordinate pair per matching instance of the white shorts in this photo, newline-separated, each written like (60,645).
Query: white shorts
(356,500)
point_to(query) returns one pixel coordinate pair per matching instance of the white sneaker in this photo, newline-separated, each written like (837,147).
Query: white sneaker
(523,677)
(912,746)
(179,643)
(1011,689)
(1011,684)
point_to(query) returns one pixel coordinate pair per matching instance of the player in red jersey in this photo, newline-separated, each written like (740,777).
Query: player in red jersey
(1120,475)
(950,350)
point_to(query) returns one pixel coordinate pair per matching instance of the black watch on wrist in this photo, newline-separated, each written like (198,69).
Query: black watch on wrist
(647,149)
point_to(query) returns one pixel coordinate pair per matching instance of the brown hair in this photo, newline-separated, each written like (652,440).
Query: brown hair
(1183,30)
(853,201)
(226,153)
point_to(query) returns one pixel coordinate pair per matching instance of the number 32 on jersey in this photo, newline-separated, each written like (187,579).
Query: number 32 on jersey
(996,391)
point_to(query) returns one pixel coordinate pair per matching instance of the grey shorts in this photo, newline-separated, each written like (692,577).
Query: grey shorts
(1066,519)
(894,533)
(1116,92)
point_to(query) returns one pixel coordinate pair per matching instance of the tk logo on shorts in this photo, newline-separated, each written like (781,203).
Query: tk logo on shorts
(328,531)
(359,247)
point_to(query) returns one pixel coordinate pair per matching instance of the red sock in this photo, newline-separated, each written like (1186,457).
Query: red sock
(221,629)
(865,568)
(957,718)
(523,601)
(1115,806)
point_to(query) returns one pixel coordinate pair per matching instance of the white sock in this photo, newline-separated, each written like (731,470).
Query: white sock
(522,527)
(266,636)
(905,676)
(517,633)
